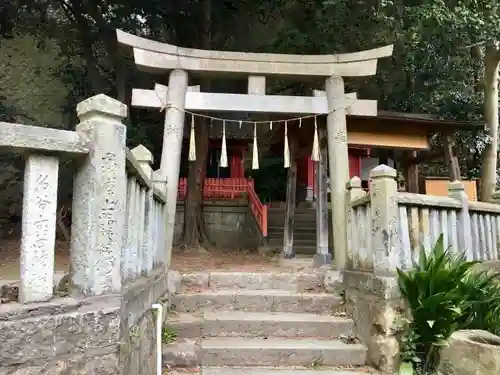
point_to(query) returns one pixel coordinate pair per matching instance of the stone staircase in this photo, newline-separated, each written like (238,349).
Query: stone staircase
(304,234)
(246,323)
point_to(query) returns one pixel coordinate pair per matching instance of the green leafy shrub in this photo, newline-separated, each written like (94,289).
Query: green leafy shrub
(443,294)
(168,335)
(483,288)
(434,299)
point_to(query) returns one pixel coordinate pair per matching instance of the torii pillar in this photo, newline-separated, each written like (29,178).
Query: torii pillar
(173,134)
(338,158)
(155,57)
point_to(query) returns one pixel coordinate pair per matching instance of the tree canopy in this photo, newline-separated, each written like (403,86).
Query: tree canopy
(55,53)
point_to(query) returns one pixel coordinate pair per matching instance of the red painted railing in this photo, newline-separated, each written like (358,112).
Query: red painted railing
(228,189)
(259,210)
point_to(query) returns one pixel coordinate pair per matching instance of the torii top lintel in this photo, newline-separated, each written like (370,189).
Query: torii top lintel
(152,56)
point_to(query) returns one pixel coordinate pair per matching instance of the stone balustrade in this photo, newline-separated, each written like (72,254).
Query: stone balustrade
(387,228)
(118,211)
(145,226)
(118,258)
(43,148)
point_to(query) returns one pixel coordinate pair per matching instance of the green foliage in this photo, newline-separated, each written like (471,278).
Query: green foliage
(445,293)
(270,179)
(168,335)
(433,70)
(484,290)
(406,368)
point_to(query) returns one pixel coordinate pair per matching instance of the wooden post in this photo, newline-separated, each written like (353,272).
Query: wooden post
(411,173)
(451,158)
(288,249)
(338,164)
(323,255)
(310,179)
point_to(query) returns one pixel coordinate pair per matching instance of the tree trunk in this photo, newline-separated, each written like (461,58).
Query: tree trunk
(194,233)
(489,162)
(291,188)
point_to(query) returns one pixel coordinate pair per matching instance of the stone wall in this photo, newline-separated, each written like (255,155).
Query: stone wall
(118,257)
(375,304)
(64,336)
(138,323)
(230,224)
(112,334)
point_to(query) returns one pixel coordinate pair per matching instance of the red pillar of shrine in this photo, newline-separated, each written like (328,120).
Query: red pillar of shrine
(309,167)
(236,164)
(311,188)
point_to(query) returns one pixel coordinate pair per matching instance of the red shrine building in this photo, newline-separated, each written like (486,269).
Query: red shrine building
(362,158)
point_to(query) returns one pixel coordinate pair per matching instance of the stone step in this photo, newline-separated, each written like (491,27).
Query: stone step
(297,230)
(303,226)
(302,250)
(297,242)
(298,219)
(186,325)
(258,324)
(299,222)
(305,235)
(280,352)
(297,216)
(182,353)
(288,281)
(282,371)
(298,210)
(257,301)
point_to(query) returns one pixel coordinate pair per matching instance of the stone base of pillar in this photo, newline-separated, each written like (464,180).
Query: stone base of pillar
(288,253)
(322,259)
(309,194)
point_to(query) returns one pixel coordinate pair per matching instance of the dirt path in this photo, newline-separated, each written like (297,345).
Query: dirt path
(182,260)
(9,258)
(186,260)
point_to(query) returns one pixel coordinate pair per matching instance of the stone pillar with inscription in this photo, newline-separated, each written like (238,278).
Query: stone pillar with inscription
(99,199)
(38,228)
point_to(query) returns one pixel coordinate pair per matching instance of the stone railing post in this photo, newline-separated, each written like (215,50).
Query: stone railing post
(145,159)
(496,197)
(99,196)
(165,253)
(354,191)
(38,228)
(456,190)
(384,216)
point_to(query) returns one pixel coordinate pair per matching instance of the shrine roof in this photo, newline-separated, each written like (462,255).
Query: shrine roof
(431,122)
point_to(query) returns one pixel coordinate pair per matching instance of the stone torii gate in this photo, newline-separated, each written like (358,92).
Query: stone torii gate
(155,57)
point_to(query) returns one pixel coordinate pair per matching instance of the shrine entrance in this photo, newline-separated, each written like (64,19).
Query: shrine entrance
(320,118)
